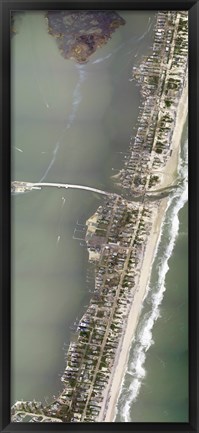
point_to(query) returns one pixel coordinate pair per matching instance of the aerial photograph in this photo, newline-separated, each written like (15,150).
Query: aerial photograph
(99,216)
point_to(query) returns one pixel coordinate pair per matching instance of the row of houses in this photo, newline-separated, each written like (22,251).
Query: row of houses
(161,77)
(117,235)
(90,358)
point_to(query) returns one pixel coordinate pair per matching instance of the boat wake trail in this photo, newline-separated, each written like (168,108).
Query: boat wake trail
(144,339)
(124,44)
(147,30)
(132,48)
(140,38)
(75,103)
(101,59)
(55,150)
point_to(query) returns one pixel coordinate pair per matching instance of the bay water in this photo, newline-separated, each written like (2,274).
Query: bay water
(69,123)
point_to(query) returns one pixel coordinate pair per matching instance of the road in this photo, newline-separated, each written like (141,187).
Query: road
(23,186)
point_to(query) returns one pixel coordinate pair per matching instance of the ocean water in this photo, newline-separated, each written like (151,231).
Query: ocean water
(155,386)
(67,127)
(69,124)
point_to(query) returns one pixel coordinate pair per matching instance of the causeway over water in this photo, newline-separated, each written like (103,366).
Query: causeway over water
(28,186)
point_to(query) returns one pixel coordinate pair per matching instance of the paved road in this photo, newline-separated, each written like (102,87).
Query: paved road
(68,185)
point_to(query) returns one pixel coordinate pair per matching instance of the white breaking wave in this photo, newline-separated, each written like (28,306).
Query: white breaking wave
(144,338)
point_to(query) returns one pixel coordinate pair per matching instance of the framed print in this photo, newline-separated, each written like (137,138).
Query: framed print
(99,205)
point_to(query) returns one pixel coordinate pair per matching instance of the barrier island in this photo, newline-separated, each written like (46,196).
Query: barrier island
(122,237)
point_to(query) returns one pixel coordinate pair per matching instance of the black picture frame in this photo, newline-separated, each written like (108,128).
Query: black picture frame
(6,6)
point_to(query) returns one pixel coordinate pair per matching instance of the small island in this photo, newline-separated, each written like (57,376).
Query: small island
(80,33)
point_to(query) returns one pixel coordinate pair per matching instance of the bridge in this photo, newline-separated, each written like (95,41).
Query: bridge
(17,186)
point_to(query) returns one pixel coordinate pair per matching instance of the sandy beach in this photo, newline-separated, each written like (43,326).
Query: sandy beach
(171,166)
(108,410)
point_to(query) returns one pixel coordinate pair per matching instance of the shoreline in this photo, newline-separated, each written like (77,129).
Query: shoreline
(123,236)
(113,390)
